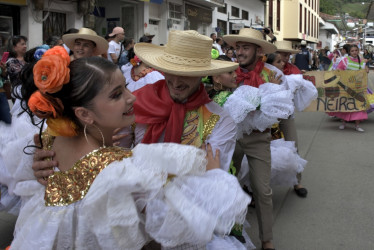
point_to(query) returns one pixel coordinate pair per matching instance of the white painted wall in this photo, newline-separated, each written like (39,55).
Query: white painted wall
(32,25)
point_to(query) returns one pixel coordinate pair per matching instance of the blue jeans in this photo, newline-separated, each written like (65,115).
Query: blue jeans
(4,109)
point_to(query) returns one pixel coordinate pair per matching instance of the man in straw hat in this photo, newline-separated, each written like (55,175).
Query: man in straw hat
(284,48)
(250,46)
(166,110)
(303,59)
(85,43)
(178,108)
(287,126)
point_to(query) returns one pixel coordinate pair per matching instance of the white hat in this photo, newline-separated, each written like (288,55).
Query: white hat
(303,42)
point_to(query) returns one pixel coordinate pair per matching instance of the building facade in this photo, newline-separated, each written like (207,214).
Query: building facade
(294,20)
(40,19)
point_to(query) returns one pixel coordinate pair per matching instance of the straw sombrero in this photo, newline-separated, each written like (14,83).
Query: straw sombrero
(285,46)
(87,34)
(187,53)
(250,35)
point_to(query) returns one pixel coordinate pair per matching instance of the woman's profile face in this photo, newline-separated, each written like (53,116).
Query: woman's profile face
(278,62)
(20,48)
(228,80)
(113,106)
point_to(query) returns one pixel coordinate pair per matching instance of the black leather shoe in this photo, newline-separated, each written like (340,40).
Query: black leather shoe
(301,192)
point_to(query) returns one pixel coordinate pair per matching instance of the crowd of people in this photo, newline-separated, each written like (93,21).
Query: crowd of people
(112,144)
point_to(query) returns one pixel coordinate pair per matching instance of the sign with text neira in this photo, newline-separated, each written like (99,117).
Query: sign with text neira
(339,91)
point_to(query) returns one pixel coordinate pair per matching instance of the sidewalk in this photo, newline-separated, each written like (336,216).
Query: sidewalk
(339,210)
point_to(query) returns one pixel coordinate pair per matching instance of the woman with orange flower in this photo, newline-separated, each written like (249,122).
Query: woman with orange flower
(101,196)
(138,74)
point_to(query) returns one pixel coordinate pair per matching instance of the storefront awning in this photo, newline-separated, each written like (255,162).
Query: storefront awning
(153,1)
(209,3)
(14,2)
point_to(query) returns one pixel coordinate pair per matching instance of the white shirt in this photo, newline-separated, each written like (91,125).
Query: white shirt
(114,48)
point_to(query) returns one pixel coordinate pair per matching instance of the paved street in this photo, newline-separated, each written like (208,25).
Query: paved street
(339,210)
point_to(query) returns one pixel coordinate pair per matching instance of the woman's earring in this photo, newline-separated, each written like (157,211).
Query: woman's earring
(217,87)
(85,134)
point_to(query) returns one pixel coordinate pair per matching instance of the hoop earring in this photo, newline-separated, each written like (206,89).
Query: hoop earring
(217,88)
(85,134)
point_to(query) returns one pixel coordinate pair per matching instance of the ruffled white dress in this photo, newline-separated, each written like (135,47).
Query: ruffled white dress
(285,164)
(19,132)
(131,201)
(149,78)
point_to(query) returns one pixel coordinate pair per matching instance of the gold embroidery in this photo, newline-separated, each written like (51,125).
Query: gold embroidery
(67,187)
(209,125)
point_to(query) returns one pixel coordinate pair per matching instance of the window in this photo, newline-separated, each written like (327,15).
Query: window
(271,13)
(54,25)
(309,30)
(301,19)
(234,11)
(244,15)
(175,11)
(222,9)
(278,15)
(305,18)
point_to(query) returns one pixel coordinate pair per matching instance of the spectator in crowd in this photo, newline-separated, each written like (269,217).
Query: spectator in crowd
(303,58)
(115,46)
(85,43)
(127,44)
(17,46)
(54,41)
(4,105)
(218,45)
(231,54)
(69,31)
(214,37)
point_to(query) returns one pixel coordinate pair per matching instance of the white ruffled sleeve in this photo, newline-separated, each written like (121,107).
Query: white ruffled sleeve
(258,109)
(304,91)
(195,207)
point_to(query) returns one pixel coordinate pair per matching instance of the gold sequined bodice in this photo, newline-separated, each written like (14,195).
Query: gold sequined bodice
(67,187)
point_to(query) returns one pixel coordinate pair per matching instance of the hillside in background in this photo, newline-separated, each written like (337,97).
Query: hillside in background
(355,8)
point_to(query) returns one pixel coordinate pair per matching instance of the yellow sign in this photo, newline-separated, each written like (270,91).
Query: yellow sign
(339,91)
(14,2)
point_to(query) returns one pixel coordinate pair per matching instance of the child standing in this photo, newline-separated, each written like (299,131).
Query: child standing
(352,62)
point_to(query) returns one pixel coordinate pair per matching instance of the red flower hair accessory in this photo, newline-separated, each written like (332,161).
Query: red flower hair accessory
(135,61)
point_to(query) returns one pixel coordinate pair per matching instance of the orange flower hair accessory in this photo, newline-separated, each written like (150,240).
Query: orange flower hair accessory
(51,72)
(61,126)
(59,50)
(44,106)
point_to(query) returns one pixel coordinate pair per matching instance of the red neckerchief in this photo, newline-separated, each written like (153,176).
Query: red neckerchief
(290,69)
(155,108)
(251,78)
